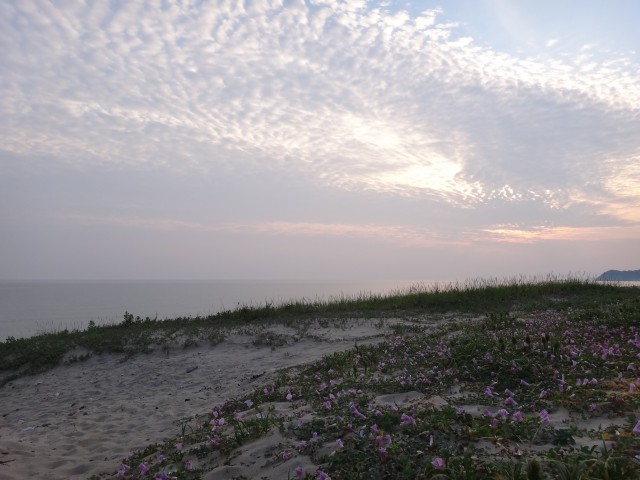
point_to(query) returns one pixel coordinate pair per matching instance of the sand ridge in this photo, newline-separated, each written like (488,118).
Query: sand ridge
(82,419)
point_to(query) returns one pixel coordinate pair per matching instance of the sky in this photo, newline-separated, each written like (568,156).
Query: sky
(318,139)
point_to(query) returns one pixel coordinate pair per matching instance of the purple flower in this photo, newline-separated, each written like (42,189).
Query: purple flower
(503,413)
(299,472)
(407,420)
(188,465)
(162,476)
(524,383)
(517,417)
(544,416)
(248,403)
(143,469)
(438,463)
(632,387)
(488,392)
(178,446)
(636,429)
(339,443)
(322,475)
(327,404)
(289,396)
(356,412)
(383,453)
(510,402)
(285,456)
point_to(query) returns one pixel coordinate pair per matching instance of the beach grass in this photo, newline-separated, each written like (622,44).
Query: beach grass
(24,356)
(134,335)
(525,380)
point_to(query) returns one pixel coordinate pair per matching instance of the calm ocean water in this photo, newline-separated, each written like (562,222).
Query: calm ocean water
(29,308)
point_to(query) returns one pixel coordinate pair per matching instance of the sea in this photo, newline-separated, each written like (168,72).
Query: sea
(30,308)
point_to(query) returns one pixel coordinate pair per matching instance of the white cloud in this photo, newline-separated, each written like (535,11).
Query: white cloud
(361,99)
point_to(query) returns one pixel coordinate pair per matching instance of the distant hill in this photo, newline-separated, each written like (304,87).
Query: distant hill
(620,275)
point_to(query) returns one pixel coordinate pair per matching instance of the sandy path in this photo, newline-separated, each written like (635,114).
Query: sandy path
(82,419)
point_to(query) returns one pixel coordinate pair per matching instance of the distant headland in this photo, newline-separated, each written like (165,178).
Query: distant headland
(620,275)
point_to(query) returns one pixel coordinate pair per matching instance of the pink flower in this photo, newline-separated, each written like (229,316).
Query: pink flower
(407,420)
(438,463)
(356,412)
(544,416)
(503,413)
(383,453)
(322,475)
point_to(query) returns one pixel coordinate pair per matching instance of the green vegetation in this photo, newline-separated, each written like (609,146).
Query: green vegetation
(139,335)
(510,392)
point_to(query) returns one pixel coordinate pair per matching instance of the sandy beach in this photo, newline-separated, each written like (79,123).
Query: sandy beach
(82,419)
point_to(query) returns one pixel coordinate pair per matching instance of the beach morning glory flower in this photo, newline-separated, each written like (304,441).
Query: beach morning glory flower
(322,475)
(544,416)
(438,463)
(407,420)
(503,413)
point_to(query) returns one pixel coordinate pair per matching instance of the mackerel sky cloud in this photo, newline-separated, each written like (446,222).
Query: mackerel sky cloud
(318,139)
